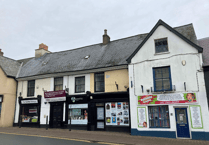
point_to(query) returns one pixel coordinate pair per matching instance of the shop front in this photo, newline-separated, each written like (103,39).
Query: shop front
(109,112)
(57,100)
(29,115)
(169,115)
(99,111)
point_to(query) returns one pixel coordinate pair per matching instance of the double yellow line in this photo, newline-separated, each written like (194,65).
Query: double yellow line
(61,138)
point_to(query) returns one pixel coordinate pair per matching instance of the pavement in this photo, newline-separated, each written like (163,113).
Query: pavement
(101,137)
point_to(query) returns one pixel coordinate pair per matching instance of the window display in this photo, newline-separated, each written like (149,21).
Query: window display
(117,113)
(159,117)
(78,114)
(30,114)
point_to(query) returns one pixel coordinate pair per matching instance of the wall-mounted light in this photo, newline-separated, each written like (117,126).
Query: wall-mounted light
(91,97)
(183,62)
(44,90)
(20,94)
(142,89)
(185,86)
(148,91)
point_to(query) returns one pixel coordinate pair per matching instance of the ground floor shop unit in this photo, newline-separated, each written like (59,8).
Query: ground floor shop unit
(177,115)
(90,111)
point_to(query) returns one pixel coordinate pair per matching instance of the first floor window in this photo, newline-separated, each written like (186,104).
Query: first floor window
(159,117)
(58,84)
(31,88)
(29,113)
(99,82)
(162,79)
(79,84)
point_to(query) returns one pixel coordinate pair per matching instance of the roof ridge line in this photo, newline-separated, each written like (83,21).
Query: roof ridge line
(9,58)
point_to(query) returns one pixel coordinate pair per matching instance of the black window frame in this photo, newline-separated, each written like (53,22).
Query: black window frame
(55,80)
(78,78)
(156,119)
(95,82)
(31,88)
(157,45)
(162,78)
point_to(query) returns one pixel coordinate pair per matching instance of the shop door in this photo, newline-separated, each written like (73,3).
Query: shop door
(182,125)
(100,121)
(57,116)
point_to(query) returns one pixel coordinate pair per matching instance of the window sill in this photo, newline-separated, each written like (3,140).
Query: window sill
(161,53)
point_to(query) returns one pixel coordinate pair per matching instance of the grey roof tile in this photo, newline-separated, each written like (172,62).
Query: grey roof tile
(113,54)
(204,43)
(9,66)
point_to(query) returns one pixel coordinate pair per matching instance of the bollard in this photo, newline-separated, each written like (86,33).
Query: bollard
(70,125)
(46,122)
(20,121)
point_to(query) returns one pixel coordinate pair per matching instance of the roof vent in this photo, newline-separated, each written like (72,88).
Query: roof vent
(86,57)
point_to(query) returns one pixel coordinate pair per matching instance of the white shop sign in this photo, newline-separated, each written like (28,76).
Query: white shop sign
(196,116)
(29,101)
(78,106)
(56,99)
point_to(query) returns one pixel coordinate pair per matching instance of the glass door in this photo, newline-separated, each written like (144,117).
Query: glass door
(100,121)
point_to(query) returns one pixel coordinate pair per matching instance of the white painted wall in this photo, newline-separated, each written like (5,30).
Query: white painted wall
(141,73)
(48,85)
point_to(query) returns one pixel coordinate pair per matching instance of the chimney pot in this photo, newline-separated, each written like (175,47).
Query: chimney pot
(1,53)
(43,46)
(106,38)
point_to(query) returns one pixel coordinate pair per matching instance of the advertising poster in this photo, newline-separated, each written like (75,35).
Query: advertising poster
(196,116)
(167,99)
(142,117)
(117,113)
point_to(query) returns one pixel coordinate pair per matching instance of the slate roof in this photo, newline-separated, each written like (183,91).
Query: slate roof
(9,66)
(24,61)
(114,53)
(204,43)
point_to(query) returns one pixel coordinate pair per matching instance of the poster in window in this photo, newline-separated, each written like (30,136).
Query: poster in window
(117,113)
(196,116)
(142,119)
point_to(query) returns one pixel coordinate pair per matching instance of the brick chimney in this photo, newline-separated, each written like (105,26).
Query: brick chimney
(1,53)
(43,48)
(106,38)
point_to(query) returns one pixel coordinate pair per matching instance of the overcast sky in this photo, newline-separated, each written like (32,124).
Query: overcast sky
(68,24)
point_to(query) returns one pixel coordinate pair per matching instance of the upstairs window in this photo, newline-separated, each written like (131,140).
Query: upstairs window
(58,84)
(99,82)
(162,79)
(79,84)
(161,45)
(31,88)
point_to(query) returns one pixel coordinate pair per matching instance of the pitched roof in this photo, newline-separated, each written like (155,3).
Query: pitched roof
(184,32)
(9,66)
(204,43)
(24,61)
(114,53)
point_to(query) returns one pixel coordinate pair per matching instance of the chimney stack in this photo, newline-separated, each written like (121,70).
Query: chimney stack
(43,48)
(1,53)
(106,38)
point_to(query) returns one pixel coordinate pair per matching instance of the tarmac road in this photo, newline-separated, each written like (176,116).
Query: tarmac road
(9,139)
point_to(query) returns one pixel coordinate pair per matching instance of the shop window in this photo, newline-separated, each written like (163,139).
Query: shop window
(78,113)
(159,117)
(162,79)
(31,88)
(29,114)
(117,113)
(161,45)
(99,82)
(80,84)
(58,84)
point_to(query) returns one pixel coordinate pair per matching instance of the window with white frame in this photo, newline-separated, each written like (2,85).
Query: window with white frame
(31,88)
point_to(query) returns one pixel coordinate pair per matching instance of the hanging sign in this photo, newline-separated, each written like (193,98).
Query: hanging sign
(167,99)
(196,116)
(55,96)
(1,98)
(29,101)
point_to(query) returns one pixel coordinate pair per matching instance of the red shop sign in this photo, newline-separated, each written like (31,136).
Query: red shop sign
(54,96)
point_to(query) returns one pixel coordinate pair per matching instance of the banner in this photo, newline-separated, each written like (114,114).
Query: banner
(196,117)
(167,99)
(55,96)
(142,117)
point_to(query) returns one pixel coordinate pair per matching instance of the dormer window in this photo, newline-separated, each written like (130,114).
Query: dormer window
(161,45)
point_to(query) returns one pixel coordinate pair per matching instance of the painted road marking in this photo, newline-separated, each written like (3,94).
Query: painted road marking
(62,138)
